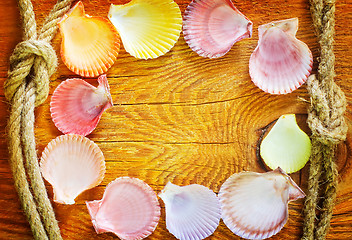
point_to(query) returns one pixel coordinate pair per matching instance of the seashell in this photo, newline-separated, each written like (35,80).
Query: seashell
(72,164)
(255,205)
(192,212)
(90,45)
(286,145)
(76,106)
(129,209)
(146,30)
(212,27)
(280,63)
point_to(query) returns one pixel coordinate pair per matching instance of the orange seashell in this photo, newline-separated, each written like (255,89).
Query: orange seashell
(72,164)
(89,45)
(76,106)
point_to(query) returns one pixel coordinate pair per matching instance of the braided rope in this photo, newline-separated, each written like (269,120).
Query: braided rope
(32,63)
(327,122)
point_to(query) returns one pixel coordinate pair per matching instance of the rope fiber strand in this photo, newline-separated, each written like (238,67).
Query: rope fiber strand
(32,63)
(327,122)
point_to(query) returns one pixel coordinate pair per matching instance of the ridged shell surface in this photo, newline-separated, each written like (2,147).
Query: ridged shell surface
(90,45)
(255,205)
(280,63)
(148,28)
(212,27)
(72,164)
(286,145)
(129,209)
(192,212)
(76,106)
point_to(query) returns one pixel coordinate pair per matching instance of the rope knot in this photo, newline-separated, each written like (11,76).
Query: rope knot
(326,118)
(31,60)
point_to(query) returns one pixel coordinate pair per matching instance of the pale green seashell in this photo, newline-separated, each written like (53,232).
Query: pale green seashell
(286,145)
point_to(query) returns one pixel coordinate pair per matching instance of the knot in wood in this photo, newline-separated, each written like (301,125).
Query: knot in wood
(31,60)
(326,118)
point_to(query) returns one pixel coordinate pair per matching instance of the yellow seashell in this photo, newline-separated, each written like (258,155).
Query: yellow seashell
(148,28)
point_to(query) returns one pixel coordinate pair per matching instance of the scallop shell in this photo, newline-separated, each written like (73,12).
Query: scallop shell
(148,28)
(286,145)
(192,212)
(90,45)
(129,209)
(72,164)
(76,106)
(255,205)
(212,27)
(280,63)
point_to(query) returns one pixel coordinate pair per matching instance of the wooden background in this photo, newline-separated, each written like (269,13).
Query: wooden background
(181,118)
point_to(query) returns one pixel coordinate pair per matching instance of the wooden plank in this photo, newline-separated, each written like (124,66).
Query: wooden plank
(181,118)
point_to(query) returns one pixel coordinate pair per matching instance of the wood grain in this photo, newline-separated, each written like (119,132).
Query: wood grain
(181,118)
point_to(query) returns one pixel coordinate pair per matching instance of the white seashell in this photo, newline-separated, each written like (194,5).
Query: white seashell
(192,212)
(76,106)
(129,209)
(255,205)
(280,63)
(212,27)
(72,164)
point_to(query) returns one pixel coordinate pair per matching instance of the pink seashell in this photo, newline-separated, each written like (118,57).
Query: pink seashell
(192,212)
(72,164)
(129,208)
(212,27)
(76,106)
(255,205)
(280,63)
